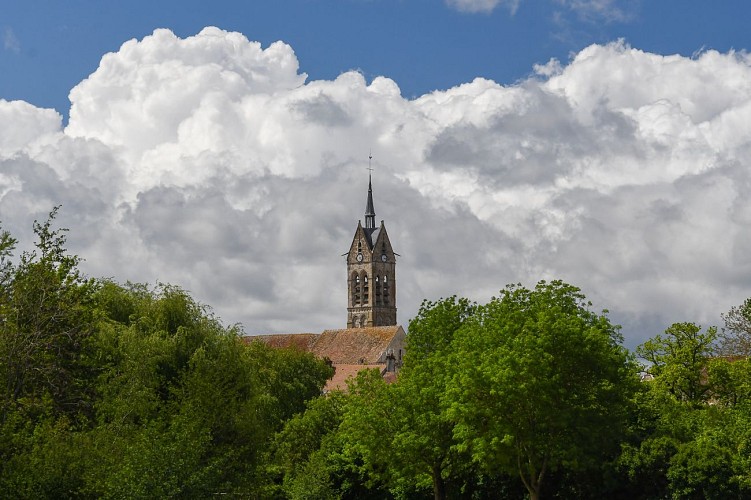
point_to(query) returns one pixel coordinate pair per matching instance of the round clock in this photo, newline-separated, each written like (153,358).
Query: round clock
(384,258)
(359,257)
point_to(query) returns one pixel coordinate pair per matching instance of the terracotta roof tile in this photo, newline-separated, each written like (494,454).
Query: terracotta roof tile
(345,372)
(302,341)
(351,350)
(356,345)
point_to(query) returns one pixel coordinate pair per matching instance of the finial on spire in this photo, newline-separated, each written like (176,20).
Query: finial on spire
(369,209)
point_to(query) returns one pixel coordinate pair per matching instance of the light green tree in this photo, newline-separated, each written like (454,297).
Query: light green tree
(678,360)
(402,432)
(540,384)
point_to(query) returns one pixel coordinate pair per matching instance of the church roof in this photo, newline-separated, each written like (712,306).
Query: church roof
(302,341)
(369,208)
(344,372)
(356,345)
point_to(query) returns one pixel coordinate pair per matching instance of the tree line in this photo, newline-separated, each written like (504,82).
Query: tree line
(112,390)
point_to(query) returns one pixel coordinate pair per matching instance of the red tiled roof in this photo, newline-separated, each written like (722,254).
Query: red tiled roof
(356,345)
(343,373)
(302,341)
(351,350)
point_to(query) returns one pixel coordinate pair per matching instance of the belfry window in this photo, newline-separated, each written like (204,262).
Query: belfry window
(378,298)
(365,289)
(356,294)
(385,291)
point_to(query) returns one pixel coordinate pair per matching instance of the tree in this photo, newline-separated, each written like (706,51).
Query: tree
(688,447)
(730,381)
(679,359)
(47,318)
(186,407)
(540,383)
(131,391)
(302,449)
(735,339)
(402,432)
(7,245)
(432,330)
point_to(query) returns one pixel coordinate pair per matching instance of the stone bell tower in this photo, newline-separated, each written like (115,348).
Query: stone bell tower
(371,273)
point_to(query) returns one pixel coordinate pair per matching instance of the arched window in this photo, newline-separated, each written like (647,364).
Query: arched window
(365,294)
(378,291)
(356,290)
(386,296)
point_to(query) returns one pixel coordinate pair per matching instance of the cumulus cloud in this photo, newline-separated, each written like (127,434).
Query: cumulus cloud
(212,163)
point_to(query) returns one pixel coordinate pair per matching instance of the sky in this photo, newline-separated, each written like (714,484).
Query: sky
(223,147)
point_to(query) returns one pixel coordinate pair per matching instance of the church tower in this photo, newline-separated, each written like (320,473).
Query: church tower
(371,273)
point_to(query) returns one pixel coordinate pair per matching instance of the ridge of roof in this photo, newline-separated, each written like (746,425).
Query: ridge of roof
(303,341)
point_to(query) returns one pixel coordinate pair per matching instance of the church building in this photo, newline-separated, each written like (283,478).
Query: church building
(372,338)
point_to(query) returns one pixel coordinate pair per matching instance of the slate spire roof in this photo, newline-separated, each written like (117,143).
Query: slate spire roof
(369,210)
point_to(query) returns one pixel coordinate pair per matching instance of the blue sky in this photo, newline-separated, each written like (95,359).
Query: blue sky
(423,45)
(606,143)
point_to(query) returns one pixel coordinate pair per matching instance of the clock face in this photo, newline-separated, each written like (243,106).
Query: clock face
(384,258)
(359,257)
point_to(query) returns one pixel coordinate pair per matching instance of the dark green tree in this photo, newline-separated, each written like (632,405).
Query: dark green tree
(690,426)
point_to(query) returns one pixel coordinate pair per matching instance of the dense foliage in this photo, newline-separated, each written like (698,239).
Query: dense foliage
(132,391)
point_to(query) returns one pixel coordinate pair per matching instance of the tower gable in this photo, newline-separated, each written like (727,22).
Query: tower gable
(382,245)
(361,244)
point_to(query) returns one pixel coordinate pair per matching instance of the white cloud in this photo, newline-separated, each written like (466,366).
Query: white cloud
(209,162)
(585,10)
(25,125)
(607,10)
(11,41)
(484,6)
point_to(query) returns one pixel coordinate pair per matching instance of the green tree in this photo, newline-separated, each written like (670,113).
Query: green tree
(131,391)
(47,316)
(730,381)
(7,245)
(303,455)
(691,427)
(541,383)
(401,432)
(679,359)
(423,444)
(185,405)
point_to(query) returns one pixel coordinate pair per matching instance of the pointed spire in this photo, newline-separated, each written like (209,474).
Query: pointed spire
(369,210)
